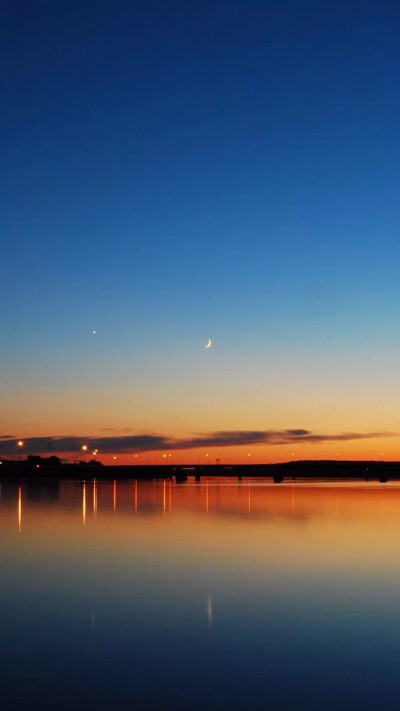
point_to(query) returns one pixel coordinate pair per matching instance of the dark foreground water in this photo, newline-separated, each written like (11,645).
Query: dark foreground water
(219,595)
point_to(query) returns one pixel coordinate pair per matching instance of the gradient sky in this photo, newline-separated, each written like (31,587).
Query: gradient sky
(178,171)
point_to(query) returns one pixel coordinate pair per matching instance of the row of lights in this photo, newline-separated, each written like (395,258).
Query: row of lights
(95,451)
(165,456)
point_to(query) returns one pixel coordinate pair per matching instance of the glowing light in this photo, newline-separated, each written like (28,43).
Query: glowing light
(115,496)
(19,445)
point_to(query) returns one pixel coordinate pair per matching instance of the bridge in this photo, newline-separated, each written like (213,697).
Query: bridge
(307,469)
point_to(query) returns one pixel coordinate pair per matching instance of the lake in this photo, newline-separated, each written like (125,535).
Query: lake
(201,595)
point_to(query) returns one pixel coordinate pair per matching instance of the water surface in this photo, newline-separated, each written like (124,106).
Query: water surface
(211,595)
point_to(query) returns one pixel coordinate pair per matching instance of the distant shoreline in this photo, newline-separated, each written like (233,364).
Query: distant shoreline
(304,469)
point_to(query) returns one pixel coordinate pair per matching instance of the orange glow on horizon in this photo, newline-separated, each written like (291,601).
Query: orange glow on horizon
(385,448)
(360,450)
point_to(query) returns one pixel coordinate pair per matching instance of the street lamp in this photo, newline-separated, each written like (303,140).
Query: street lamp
(19,445)
(84,450)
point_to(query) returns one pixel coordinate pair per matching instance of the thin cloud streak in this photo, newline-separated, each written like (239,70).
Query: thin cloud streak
(145,443)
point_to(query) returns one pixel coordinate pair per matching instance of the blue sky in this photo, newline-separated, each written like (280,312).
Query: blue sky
(179,171)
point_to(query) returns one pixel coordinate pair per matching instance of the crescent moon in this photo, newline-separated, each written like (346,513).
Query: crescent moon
(209,344)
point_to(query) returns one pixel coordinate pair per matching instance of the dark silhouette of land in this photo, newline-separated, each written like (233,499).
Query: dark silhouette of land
(51,467)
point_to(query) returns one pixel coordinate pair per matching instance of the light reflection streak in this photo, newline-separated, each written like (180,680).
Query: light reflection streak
(248,499)
(94,498)
(209,610)
(84,503)
(19,509)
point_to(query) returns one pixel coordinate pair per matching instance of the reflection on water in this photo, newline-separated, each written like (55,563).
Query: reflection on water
(220,497)
(94,498)
(84,502)
(19,509)
(204,595)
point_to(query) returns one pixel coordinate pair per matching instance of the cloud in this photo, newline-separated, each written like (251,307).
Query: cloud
(7,437)
(152,442)
(115,429)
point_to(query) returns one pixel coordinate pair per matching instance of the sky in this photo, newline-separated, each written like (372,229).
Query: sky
(174,172)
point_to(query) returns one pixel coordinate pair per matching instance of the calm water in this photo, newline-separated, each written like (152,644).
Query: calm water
(199,596)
